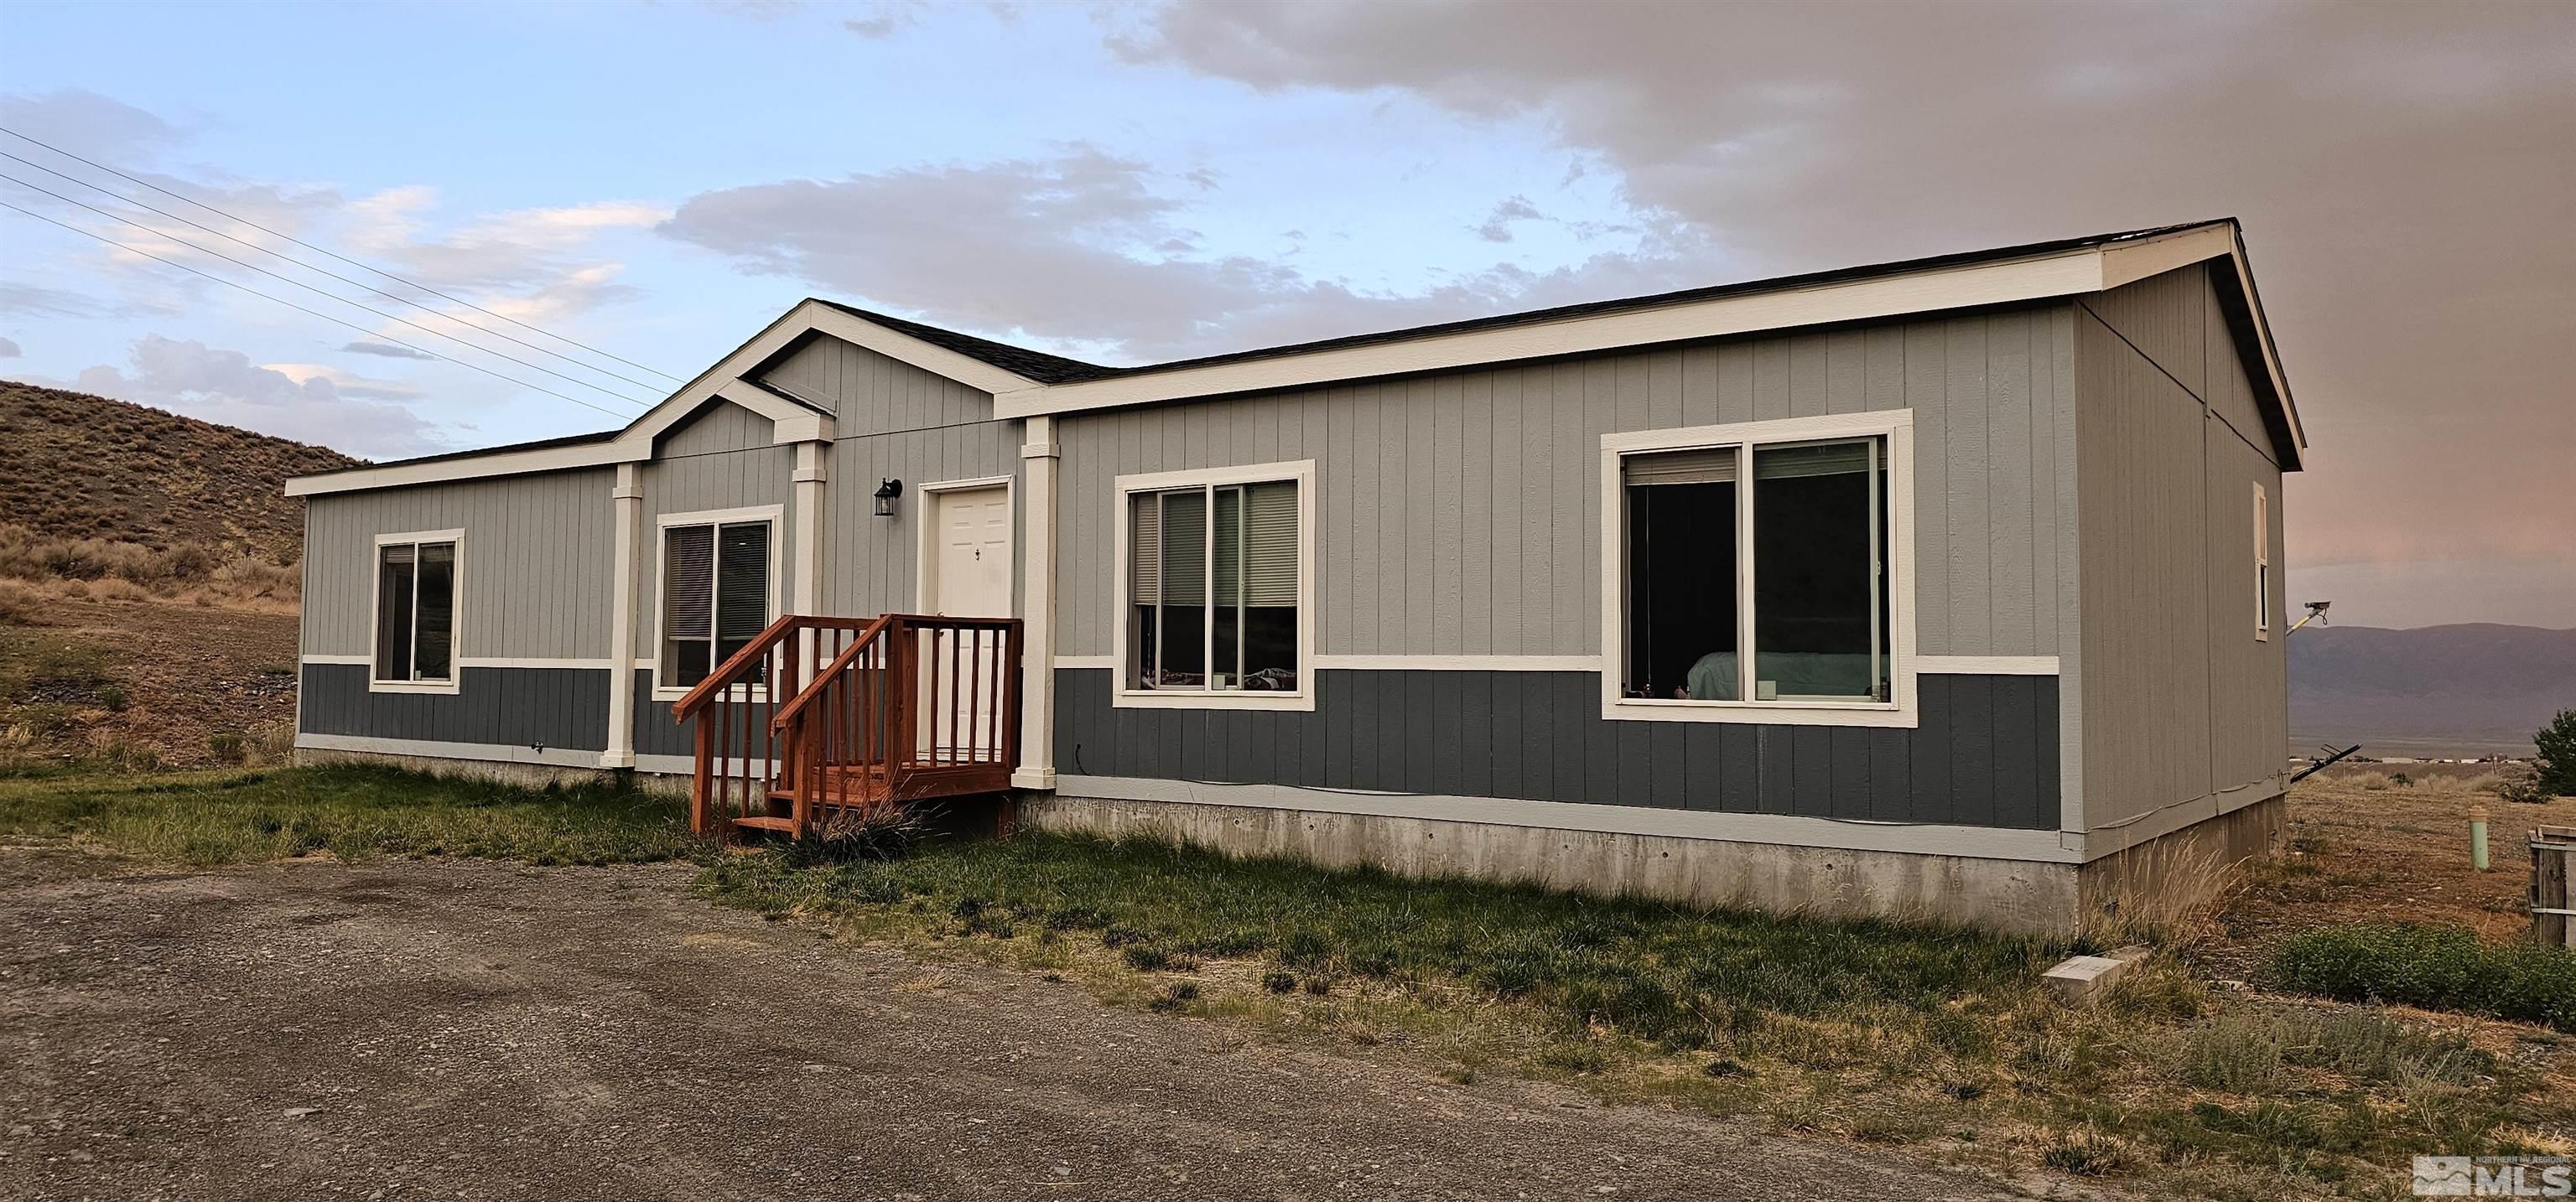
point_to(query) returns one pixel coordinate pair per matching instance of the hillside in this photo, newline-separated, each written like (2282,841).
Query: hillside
(79,466)
(2471,688)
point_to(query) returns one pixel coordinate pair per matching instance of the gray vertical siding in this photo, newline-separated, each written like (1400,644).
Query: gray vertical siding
(872,393)
(1460,514)
(714,430)
(565,708)
(1985,754)
(717,460)
(871,564)
(2179,700)
(536,570)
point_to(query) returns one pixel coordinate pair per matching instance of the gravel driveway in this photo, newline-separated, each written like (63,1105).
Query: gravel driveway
(478,1030)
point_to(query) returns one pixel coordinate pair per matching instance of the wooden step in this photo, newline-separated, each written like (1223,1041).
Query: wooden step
(764,823)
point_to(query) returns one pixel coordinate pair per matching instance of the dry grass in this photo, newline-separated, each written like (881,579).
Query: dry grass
(35,569)
(140,684)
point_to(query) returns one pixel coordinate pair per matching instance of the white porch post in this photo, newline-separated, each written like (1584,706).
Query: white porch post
(628,499)
(1037,647)
(805,574)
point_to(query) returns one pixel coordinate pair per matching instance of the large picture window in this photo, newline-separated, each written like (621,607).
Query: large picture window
(1753,569)
(716,586)
(1215,586)
(415,610)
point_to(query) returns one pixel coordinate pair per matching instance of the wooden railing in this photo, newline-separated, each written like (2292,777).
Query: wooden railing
(894,709)
(737,749)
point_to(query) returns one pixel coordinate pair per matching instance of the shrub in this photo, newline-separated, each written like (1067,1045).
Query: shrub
(2522,787)
(227,748)
(2443,968)
(2240,1053)
(2557,742)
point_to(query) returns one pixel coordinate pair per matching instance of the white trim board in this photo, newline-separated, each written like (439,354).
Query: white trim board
(1986,665)
(1459,663)
(1930,665)
(1978,842)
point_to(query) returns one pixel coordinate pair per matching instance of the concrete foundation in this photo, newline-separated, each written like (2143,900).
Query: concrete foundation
(2160,880)
(2013,895)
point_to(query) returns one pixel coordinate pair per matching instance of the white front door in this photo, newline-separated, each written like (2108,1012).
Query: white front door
(968,566)
(970,563)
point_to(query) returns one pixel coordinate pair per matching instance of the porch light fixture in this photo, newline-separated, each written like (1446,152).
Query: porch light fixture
(887,490)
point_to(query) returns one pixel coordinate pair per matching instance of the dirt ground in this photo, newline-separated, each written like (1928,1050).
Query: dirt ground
(2364,849)
(469,1029)
(189,671)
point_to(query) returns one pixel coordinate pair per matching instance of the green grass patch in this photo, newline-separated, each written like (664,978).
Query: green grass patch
(1675,976)
(2440,968)
(351,811)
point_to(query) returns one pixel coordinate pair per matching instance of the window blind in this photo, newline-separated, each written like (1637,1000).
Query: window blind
(1270,544)
(1185,548)
(1814,459)
(689,567)
(1145,549)
(1709,465)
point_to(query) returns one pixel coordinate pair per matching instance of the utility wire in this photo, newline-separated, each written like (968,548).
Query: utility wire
(343,258)
(301,309)
(320,292)
(400,300)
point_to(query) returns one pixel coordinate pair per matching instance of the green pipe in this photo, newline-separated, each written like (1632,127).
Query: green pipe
(2478,838)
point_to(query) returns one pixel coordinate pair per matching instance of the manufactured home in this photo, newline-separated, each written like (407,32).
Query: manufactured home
(1945,587)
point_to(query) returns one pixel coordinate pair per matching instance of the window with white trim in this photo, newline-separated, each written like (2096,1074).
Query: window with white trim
(415,610)
(1754,572)
(715,595)
(2262,564)
(1213,588)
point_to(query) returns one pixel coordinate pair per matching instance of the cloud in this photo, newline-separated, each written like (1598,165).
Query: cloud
(385,349)
(94,125)
(1498,226)
(35,301)
(224,386)
(884,21)
(2412,238)
(1081,250)
(347,383)
(539,266)
(9,349)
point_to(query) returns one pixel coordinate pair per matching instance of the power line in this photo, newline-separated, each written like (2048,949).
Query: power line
(319,292)
(400,300)
(301,309)
(333,254)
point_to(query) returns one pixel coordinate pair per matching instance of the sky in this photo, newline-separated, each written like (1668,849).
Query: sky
(645,186)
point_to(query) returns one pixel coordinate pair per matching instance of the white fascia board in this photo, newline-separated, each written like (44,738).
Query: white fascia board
(499,463)
(2065,274)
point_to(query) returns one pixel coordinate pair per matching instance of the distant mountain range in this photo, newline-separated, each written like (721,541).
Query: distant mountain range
(2475,688)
